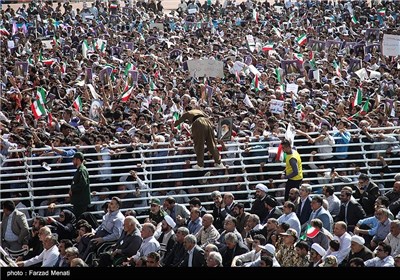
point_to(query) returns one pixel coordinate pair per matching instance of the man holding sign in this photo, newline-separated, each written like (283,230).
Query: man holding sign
(202,131)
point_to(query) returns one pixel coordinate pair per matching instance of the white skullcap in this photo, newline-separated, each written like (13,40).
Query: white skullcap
(358,239)
(262,187)
(317,248)
(269,248)
(170,221)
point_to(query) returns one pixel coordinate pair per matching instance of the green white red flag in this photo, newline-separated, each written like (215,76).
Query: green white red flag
(78,104)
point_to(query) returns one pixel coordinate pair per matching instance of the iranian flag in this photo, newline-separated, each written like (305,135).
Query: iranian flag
(255,15)
(30,61)
(255,83)
(280,154)
(113,6)
(299,57)
(78,104)
(128,68)
(126,94)
(278,74)
(382,12)
(38,109)
(63,68)
(47,62)
(85,48)
(354,19)
(365,107)
(176,117)
(4,32)
(153,86)
(302,39)
(49,118)
(357,97)
(277,32)
(101,45)
(268,47)
(55,40)
(312,59)
(237,77)
(41,95)
(337,69)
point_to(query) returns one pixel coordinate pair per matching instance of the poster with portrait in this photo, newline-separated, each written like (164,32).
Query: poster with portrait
(94,112)
(372,48)
(225,129)
(116,51)
(291,67)
(104,75)
(21,69)
(88,76)
(133,77)
(317,45)
(333,44)
(127,45)
(354,65)
(372,35)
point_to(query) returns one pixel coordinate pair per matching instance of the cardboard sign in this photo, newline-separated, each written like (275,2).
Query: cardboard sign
(251,42)
(47,44)
(157,25)
(206,68)
(292,88)
(276,106)
(391,45)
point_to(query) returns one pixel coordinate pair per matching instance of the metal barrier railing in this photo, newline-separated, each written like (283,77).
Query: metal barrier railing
(36,182)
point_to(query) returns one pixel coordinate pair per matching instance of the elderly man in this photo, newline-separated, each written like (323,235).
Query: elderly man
(195,255)
(357,250)
(207,233)
(127,245)
(49,255)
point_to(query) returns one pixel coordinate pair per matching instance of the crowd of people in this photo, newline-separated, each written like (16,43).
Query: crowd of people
(98,84)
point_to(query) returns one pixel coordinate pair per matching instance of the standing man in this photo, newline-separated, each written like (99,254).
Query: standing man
(80,190)
(14,227)
(202,131)
(293,170)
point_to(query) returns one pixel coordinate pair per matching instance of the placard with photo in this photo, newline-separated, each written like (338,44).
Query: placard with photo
(224,129)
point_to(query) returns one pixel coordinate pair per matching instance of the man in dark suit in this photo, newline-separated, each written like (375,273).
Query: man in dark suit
(194,256)
(304,210)
(13,236)
(350,211)
(80,189)
(232,249)
(367,192)
(273,211)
